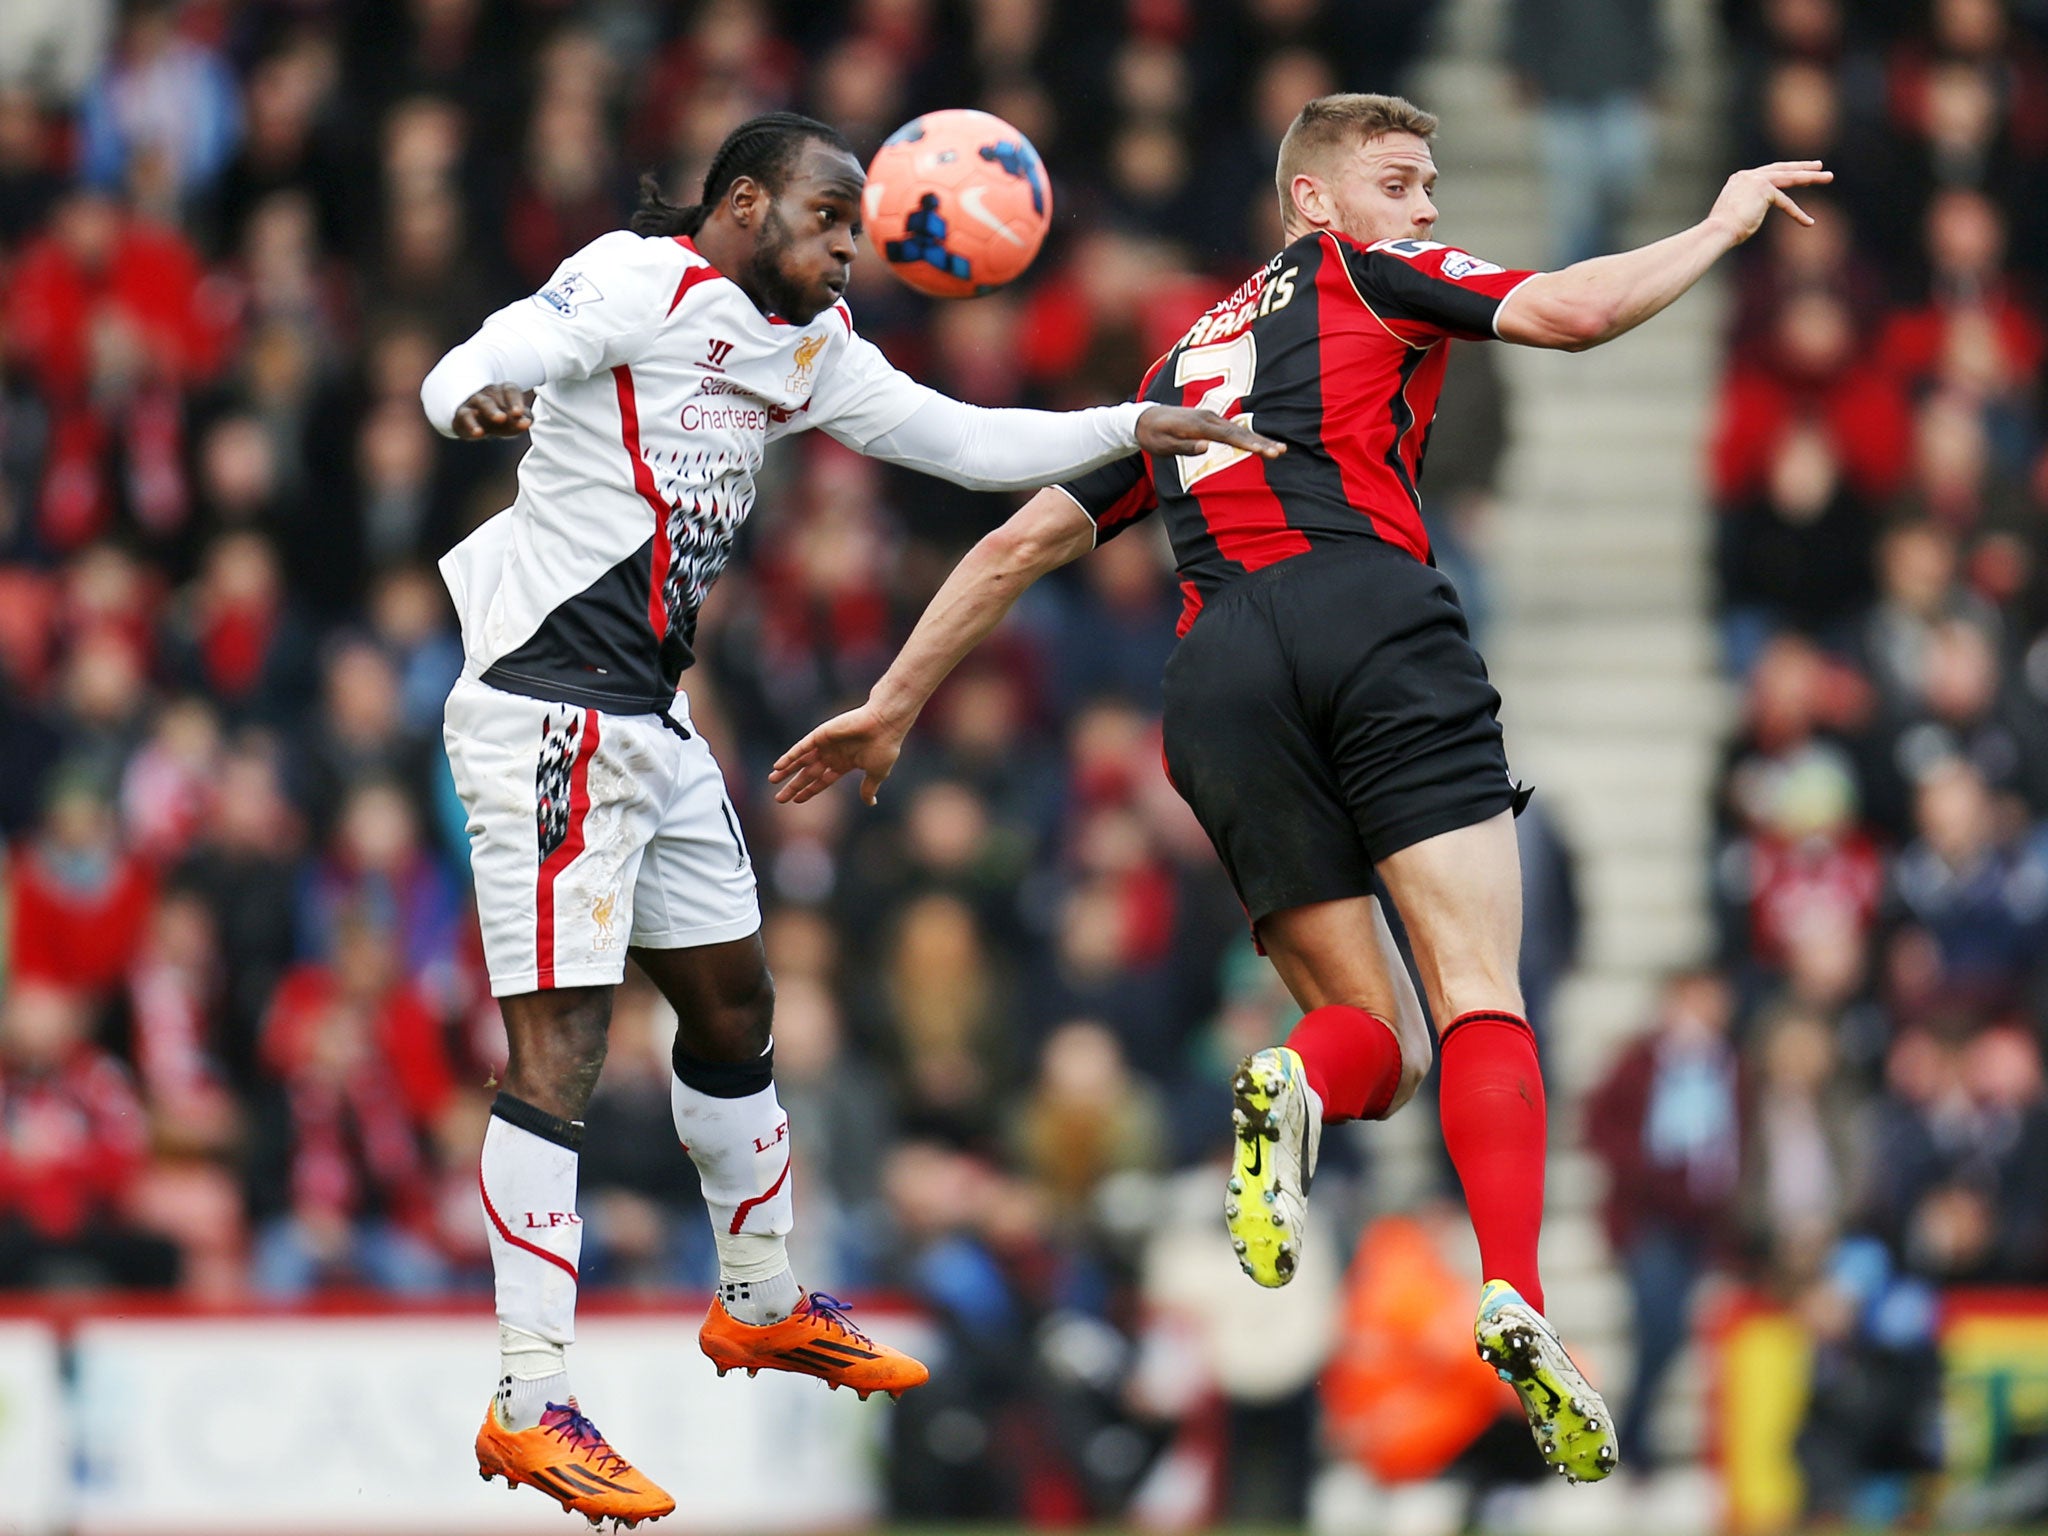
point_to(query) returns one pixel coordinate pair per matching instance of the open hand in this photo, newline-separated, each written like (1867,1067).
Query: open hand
(859,739)
(496,410)
(1181,432)
(1750,195)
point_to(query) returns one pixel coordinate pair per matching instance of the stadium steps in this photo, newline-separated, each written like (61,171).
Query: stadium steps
(1602,641)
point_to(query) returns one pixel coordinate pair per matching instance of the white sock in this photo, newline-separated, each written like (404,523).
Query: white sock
(761,1301)
(731,1124)
(531,1374)
(528,1185)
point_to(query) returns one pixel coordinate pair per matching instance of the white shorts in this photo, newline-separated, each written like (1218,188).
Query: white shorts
(589,832)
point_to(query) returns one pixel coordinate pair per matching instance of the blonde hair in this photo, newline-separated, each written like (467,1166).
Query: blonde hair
(1342,121)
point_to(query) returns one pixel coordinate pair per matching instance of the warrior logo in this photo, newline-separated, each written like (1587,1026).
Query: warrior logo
(558,742)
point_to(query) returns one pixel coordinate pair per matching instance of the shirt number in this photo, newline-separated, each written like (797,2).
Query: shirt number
(1232,364)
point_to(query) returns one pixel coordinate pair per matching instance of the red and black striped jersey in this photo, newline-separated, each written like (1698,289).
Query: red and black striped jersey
(1335,349)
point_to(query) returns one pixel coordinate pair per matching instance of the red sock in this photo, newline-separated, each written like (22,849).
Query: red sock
(1352,1060)
(1491,1097)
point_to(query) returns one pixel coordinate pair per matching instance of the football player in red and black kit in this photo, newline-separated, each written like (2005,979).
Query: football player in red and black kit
(1326,715)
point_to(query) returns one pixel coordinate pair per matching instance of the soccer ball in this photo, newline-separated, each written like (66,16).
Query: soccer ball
(957,203)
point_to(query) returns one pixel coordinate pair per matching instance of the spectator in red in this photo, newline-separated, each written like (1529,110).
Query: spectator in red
(1098,323)
(1806,859)
(234,639)
(1666,1123)
(173,995)
(359,1058)
(110,316)
(1975,332)
(79,899)
(73,1142)
(1812,369)
(167,787)
(1823,257)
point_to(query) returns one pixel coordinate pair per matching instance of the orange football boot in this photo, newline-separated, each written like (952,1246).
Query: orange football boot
(818,1339)
(568,1460)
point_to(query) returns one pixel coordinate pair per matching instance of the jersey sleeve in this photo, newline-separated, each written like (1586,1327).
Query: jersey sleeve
(1425,291)
(1115,495)
(599,307)
(861,395)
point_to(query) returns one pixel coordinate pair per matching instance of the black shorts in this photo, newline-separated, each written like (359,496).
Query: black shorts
(1326,712)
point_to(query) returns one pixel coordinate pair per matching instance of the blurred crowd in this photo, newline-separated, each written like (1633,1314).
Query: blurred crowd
(1849,1107)
(245,1042)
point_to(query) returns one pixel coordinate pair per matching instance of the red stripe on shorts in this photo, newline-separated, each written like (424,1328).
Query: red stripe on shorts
(563,856)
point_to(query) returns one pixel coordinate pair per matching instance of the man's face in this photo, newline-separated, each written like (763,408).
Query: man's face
(804,243)
(1381,190)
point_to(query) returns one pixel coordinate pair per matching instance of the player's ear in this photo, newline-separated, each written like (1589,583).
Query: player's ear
(745,197)
(1311,202)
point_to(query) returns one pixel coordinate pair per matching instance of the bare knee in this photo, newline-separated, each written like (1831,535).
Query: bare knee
(730,1024)
(555,1047)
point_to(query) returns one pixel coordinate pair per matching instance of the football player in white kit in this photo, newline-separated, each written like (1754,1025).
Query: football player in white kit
(663,361)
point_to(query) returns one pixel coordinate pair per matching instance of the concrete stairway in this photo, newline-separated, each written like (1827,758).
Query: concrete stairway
(1602,643)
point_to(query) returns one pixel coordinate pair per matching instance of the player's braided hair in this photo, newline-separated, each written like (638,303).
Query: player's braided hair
(761,147)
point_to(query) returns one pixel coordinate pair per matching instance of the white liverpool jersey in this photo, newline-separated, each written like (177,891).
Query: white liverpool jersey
(664,387)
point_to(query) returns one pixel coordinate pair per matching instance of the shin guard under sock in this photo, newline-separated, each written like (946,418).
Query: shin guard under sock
(1491,1098)
(1352,1060)
(733,1128)
(527,1180)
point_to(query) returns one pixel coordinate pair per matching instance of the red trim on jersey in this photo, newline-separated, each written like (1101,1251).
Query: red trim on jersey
(1362,379)
(563,856)
(505,1232)
(845,316)
(1190,610)
(691,279)
(747,1206)
(643,482)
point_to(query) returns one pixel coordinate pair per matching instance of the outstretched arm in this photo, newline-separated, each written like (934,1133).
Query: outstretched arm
(989,449)
(874,408)
(1594,301)
(1045,533)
